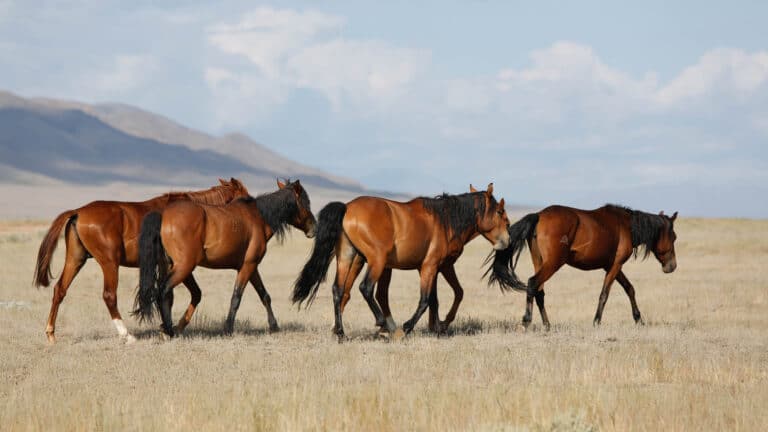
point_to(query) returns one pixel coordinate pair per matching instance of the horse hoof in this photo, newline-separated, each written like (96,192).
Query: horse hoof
(165,337)
(274,329)
(398,335)
(129,339)
(51,338)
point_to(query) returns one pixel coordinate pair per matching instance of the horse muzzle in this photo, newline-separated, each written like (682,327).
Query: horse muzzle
(670,266)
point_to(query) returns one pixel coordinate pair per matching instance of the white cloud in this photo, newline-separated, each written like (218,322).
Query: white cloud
(125,73)
(728,72)
(294,50)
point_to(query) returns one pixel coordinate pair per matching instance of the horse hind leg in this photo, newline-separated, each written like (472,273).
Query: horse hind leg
(349,263)
(382,297)
(372,276)
(110,270)
(544,268)
(195,296)
(538,263)
(178,274)
(76,256)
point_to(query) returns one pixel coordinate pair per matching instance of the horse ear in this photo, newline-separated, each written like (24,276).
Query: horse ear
(280,185)
(501,204)
(489,189)
(472,188)
(223,182)
(674,216)
(661,213)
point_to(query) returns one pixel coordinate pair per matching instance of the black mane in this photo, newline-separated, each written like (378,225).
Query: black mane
(457,213)
(646,228)
(279,208)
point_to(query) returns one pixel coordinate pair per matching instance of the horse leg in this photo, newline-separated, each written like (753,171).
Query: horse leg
(535,290)
(243,275)
(196,295)
(382,296)
(610,275)
(538,263)
(433,324)
(427,273)
(266,300)
(110,269)
(375,269)
(178,274)
(630,290)
(74,261)
(449,272)
(348,266)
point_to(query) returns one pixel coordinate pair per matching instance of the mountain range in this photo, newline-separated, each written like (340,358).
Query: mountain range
(49,140)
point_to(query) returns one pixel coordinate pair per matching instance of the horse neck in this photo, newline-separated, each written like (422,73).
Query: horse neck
(271,208)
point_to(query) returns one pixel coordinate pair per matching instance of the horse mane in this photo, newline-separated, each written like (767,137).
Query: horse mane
(645,227)
(216,195)
(279,208)
(457,213)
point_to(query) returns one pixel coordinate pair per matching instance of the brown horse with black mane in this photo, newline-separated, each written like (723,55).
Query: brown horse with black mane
(427,234)
(233,236)
(604,238)
(108,231)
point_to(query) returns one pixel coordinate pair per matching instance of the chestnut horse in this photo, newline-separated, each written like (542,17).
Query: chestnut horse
(427,234)
(108,231)
(233,236)
(604,238)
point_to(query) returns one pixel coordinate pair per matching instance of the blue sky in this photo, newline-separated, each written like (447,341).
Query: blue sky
(649,104)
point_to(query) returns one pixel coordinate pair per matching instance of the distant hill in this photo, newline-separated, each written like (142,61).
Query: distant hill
(92,144)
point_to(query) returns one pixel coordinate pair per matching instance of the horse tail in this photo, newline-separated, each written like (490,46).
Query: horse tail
(502,271)
(329,228)
(43,273)
(153,267)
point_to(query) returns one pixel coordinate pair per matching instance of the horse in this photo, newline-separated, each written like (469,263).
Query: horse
(108,232)
(233,236)
(426,234)
(604,238)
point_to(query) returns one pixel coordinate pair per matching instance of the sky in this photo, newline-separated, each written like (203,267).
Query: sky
(657,105)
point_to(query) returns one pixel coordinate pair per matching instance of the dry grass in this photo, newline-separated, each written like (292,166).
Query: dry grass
(701,363)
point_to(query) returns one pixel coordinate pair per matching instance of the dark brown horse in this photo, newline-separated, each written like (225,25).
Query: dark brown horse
(108,231)
(233,236)
(604,238)
(427,234)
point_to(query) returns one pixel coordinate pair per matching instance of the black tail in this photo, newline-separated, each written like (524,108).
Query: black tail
(153,268)
(327,235)
(502,271)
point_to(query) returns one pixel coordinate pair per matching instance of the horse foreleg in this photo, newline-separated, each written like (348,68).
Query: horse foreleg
(266,300)
(630,290)
(382,297)
(243,275)
(434,309)
(610,276)
(110,271)
(449,272)
(427,273)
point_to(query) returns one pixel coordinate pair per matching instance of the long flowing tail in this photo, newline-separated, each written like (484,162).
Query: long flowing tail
(502,271)
(153,267)
(329,229)
(43,273)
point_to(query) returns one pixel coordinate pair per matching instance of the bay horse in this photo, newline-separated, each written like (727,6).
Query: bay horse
(233,236)
(108,231)
(604,238)
(426,234)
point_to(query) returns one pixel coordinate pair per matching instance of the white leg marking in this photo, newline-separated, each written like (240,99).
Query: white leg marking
(122,331)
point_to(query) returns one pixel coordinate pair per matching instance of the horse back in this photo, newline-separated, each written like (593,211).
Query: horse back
(399,233)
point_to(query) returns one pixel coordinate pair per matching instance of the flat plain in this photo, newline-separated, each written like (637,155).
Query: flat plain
(700,363)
